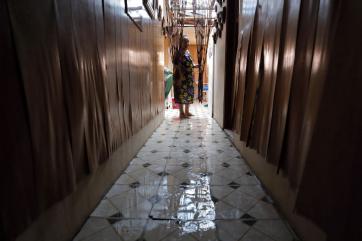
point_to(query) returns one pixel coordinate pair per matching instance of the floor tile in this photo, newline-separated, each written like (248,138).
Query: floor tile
(91,226)
(231,230)
(125,179)
(253,190)
(221,192)
(104,209)
(132,204)
(276,229)
(247,180)
(219,180)
(176,236)
(254,235)
(158,230)
(240,200)
(130,229)
(107,234)
(187,183)
(263,210)
(117,189)
(226,211)
(145,176)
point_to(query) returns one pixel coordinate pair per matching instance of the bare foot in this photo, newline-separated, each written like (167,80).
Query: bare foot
(183,116)
(188,114)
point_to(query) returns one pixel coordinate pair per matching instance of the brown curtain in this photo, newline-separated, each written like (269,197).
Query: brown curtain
(332,174)
(264,106)
(289,160)
(39,64)
(254,72)
(17,157)
(296,101)
(79,79)
(245,28)
(284,79)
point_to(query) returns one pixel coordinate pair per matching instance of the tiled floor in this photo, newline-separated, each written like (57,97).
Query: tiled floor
(187,183)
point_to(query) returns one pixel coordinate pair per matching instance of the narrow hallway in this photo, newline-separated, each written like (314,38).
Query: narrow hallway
(97,143)
(188,182)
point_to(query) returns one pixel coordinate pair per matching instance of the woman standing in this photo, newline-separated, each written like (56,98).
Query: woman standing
(183,78)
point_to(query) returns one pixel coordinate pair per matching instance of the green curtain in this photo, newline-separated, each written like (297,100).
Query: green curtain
(168,81)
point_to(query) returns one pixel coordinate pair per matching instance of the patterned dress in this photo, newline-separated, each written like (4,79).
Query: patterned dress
(183,67)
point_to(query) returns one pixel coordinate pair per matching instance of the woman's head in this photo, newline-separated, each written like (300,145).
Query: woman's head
(184,42)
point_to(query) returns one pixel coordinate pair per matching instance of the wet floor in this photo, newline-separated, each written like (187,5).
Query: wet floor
(187,183)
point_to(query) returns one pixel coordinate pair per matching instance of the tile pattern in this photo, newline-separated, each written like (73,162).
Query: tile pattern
(187,183)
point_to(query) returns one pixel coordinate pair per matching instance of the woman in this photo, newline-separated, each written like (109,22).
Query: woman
(183,78)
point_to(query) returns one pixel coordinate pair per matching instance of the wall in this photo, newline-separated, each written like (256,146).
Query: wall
(168,61)
(210,69)
(294,110)
(82,86)
(219,75)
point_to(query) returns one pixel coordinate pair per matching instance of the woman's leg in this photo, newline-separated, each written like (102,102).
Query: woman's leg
(182,113)
(187,110)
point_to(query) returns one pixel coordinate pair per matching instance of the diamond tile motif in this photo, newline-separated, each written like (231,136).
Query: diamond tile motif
(115,217)
(248,219)
(184,184)
(162,174)
(185,164)
(234,185)
(224,164)
(134,184)
(214,199)
(187,183)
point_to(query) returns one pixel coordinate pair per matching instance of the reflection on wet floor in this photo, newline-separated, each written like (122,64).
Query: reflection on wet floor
(187,183)
(196,204)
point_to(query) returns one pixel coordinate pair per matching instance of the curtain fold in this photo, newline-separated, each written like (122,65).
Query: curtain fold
(81,80)
(295,95)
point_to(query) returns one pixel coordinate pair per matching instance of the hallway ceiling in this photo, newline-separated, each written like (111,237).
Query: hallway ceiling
(190,10)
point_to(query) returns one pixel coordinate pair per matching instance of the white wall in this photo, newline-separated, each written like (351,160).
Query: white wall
(210,74)
(219,78)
